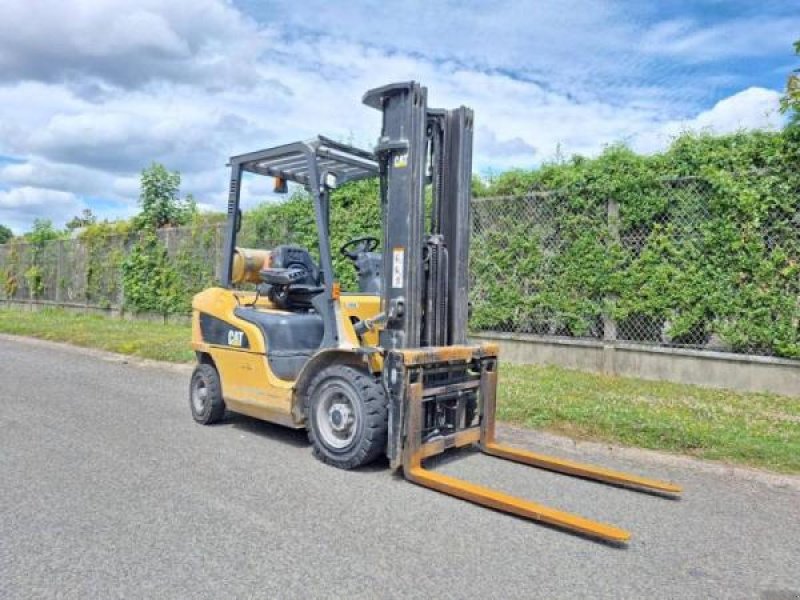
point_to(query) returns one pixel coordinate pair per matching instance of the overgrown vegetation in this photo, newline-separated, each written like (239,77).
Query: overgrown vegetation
(706,243)
(125,262)
(160,200)
(35,275)
(761,430)
(790,103)
(5,234)
(151,280)
(715,251)
(105,250)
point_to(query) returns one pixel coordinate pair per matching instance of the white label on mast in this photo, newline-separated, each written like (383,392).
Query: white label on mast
(398,258)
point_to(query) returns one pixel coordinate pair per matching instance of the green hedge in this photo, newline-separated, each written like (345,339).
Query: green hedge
(706,242)
(697,243)
(715,251)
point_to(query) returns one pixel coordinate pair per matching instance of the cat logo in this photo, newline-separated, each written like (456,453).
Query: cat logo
(235,338)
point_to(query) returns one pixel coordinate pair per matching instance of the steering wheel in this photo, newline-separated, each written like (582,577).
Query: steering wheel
(363,244)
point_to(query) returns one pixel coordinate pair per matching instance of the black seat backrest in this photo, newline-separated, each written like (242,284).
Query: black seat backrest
(291,338)
(296,257)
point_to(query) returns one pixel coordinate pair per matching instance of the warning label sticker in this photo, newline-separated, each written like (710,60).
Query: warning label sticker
(398,258)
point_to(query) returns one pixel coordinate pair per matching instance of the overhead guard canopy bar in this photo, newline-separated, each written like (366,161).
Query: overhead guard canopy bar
(291,161)
(303,163)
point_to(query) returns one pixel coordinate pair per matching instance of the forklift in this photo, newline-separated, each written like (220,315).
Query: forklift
(387,371)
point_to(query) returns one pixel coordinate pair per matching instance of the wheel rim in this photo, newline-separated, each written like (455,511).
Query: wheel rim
(336,416)
(199,395)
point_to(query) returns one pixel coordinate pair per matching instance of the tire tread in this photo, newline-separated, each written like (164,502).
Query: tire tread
(375,410)
(217,404)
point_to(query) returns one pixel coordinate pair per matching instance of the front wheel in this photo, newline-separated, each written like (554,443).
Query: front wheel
(346,416)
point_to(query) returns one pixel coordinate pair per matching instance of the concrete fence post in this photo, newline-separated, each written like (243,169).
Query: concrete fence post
(609,323)
(219,234)
(59,295)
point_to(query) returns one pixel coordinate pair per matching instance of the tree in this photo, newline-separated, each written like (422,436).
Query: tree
(42,232)
(5,234)
(84,219)
(160,199)
(791,99)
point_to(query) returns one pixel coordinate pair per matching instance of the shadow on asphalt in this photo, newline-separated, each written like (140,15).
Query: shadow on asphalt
(286,435)
(455,454)
(459,453)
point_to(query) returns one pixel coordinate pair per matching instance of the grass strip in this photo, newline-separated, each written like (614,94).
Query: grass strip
(754,429)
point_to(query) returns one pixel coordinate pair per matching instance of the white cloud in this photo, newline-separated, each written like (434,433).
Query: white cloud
(19,206)
(123,43)
(40,173)
(751,37)
(490,145)
(753,108)
(565,44)
(92,92)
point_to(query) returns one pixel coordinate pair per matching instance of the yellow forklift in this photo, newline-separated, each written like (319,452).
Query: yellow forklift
(388,370)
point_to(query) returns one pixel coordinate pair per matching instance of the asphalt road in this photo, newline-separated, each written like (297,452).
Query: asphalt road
(108,489)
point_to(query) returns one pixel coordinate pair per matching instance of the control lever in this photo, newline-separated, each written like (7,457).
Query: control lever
(282,277)
(366,325)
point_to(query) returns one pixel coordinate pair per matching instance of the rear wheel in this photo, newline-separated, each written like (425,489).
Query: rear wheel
(345,410)
(205,395)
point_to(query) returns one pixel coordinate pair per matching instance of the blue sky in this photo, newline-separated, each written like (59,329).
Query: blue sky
(93,91)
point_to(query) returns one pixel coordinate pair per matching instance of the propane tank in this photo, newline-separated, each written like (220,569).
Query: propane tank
(248,262)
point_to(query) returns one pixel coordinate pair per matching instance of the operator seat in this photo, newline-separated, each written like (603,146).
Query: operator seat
(306,280)
(290,256)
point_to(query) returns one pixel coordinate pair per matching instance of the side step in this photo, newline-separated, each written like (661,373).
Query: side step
(415,451)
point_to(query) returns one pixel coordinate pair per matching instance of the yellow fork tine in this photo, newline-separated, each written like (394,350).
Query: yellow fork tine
(511,504)
(489,445)
(414,452)
(569,467)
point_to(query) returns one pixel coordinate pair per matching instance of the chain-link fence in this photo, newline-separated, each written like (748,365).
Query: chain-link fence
(653,250)
(87,270)
(683,263)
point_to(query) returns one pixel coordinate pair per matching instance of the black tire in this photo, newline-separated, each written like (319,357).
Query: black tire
(207,407)
(343,386)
